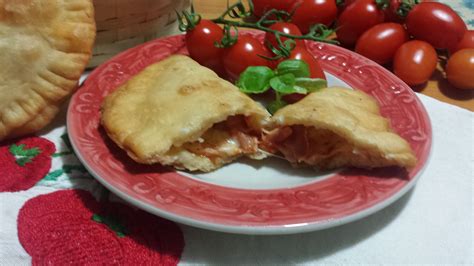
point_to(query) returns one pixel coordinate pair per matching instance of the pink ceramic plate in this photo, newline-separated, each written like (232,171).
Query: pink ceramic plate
(266,197)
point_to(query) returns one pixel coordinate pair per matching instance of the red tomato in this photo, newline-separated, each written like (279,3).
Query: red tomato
(341,7)
(310,12)
(284,27)
(391,12)
(460,69)
(346,3)
(315,70)
(262,6)
(244,53)
(467,41)
(293,98)
(200,43)
(380,42)
(437,24)
(415,62)
(356,19)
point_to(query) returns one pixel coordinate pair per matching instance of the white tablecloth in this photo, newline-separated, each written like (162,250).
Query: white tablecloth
(432,224)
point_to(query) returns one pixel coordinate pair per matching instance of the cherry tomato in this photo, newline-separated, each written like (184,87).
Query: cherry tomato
(246,52)
(415,62)
(467,41)
(356,19)
(345,4)
(284,27)
(460,69)
(380,42)
(310,12)
(262,6)
(391,12)
(293,98)
(437,24)
(342,6)
(200,43)
(315,70)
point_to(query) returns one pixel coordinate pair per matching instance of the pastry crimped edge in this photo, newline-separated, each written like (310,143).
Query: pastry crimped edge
(55,82)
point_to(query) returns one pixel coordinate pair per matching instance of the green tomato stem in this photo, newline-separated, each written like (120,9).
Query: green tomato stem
(241,24)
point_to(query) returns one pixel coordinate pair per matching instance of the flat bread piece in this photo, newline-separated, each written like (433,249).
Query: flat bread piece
(177,112)
(44,48)
(337,127)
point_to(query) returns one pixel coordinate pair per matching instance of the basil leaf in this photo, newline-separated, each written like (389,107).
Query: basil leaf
(255,79)
(298,68)
(311,85)
(274,106)
(285,84)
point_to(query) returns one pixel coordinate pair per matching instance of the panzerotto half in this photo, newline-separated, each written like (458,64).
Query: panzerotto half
(337,127)
(179,113)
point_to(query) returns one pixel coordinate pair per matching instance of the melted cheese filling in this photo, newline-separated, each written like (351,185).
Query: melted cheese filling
(214,143)
(229,139)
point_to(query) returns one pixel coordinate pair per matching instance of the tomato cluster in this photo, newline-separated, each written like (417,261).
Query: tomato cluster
(247,51)
(407,44)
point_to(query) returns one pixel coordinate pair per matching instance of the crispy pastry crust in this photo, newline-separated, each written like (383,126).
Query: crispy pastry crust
(44,48)
(354,118)
(170,103)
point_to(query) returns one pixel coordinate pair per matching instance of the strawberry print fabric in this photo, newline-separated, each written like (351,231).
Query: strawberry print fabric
(71,227)
(25,162)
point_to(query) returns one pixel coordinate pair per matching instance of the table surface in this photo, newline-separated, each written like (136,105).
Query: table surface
(437,87)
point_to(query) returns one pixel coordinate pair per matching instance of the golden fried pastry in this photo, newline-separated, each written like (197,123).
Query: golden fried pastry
(176,112)
(337,127)
(44,48)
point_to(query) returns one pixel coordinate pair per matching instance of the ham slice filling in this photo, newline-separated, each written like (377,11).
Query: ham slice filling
(308,145)
(298,144)
(228,139)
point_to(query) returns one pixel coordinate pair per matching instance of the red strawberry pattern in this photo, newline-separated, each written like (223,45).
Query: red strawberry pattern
(24,163)
(71,227)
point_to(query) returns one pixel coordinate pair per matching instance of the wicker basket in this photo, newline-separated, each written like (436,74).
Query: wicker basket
(122,24)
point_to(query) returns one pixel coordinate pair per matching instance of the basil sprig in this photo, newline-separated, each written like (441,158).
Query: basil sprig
(298,68)
(290,76)
(255,79)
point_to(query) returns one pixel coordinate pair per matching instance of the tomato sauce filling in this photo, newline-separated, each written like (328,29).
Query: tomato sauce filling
(306,145)
(227,139)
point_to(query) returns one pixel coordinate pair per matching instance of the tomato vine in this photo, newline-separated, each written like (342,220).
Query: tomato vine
(237,16)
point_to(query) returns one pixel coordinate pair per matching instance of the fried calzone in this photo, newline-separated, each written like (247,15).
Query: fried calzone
(179,113)
(337,127)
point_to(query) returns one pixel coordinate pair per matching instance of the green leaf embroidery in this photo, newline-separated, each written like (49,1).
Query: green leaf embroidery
(67,142)
(69,168)
(65,138)
(22,161)
(66,169)
(111,222)
(53,176)
(21,151)
(23,155)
